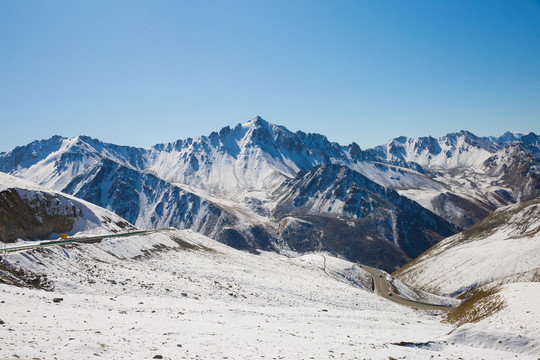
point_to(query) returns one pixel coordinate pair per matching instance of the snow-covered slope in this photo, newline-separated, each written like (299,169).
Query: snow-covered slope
(251,157)
(206,300)
(31,211)
(247,161)
(55,162)
(495,267)
(225,185)
(505,245)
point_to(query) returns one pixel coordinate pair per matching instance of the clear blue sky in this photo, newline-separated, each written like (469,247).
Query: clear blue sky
(146,72)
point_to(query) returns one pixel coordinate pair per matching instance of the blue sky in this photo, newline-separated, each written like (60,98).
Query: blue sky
(146,72)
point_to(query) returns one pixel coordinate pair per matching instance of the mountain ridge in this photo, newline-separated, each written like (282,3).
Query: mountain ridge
(232,180)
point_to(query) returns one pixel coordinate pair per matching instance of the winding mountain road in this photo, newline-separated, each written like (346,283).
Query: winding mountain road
(88,239)
(380,284)
(383,290)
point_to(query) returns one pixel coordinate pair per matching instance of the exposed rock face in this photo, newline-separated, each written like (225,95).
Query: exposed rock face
(33,218)
(517,168)
(31,212)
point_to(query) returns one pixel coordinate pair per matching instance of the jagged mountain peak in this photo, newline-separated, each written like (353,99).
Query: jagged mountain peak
(258,121)
(248,133)
(454,139)
(242,171)
(27,155)
(335,173)
(509,137)
(453,150)
(258,132)
(464,133)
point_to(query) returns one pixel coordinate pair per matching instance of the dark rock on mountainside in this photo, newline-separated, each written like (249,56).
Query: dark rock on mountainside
(345,213)
(461,211)
(33,219)
(350,240)
(31,213)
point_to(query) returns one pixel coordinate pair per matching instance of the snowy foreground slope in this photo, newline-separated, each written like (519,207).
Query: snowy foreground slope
(495,267)
(179,294)
(31,211)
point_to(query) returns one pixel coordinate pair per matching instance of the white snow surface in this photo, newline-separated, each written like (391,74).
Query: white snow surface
(240,163)
(45,172)
(181,295)
(12,182)
(514,328)
(248,163)
(521,308)
(418,295)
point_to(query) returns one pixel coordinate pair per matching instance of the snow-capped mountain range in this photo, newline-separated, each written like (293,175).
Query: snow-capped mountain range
(259,185)
(456,150)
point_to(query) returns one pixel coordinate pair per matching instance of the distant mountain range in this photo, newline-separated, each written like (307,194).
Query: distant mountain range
(261,186)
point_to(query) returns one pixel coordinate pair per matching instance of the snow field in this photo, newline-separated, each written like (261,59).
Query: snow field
(521,308)
(184,296)
(455,269)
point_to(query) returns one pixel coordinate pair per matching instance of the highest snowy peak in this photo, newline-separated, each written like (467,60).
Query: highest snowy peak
(251,157)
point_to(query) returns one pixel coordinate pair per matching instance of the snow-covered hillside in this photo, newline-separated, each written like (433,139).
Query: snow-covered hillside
(31,211)
(505,245)
(206,300)
(245,162)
